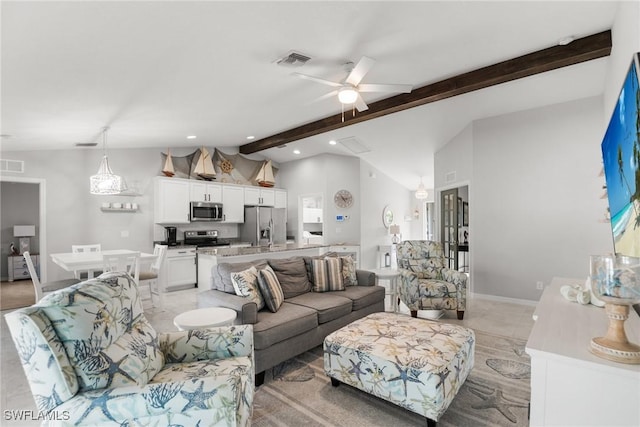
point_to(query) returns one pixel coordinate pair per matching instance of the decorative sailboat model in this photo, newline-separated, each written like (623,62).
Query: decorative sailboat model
(168,169)
(204,166)
(265,176)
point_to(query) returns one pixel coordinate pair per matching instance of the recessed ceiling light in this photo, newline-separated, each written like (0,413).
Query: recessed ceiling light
(296,151)
(191,137)
(333,142)
(250,137)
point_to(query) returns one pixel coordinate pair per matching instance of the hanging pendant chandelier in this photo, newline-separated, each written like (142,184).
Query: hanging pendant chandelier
(105,182)
(421,192)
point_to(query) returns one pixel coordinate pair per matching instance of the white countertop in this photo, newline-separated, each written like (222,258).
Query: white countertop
(564,329)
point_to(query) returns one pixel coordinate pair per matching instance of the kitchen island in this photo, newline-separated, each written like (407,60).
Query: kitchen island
(209,257)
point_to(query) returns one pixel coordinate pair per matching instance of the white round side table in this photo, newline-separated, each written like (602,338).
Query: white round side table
(203,318)
(391,275)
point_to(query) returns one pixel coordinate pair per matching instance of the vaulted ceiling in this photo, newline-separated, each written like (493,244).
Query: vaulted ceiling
(156,72)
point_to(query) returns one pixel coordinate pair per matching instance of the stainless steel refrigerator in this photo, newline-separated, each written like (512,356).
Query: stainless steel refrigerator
(263,226)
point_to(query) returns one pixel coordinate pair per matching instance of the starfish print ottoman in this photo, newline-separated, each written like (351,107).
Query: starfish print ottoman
(417,364)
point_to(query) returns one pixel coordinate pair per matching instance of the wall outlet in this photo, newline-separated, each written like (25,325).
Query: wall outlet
(539,285)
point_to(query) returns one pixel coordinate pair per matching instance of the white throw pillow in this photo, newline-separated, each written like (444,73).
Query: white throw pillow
(245,283)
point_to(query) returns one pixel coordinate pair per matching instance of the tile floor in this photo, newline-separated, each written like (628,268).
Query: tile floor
(503,318)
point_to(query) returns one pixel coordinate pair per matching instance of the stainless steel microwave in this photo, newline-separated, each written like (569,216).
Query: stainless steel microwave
(206,211)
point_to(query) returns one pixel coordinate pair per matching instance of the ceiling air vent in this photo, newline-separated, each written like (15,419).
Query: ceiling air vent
(293,59)
(354,145)
(7,165)
(86,144)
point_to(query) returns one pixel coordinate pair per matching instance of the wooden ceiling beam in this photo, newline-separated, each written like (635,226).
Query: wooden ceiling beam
(580,50)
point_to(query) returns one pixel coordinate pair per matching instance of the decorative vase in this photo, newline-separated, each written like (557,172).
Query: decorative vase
(616,281)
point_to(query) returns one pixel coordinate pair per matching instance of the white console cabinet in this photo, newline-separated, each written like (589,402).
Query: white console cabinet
(569,385)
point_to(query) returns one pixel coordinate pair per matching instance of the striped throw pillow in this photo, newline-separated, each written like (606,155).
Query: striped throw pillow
(327,274)
(270,288)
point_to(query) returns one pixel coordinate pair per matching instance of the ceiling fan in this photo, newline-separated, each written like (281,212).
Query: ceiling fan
(349,89)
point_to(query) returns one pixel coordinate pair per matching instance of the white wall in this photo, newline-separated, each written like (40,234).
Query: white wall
(378,190)
(535,198)
(324,174)
(625,42)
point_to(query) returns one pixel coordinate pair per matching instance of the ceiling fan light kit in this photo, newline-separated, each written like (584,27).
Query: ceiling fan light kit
(350,88)
(347,95)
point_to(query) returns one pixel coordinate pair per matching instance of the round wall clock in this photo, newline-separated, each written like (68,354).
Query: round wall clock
(343,199)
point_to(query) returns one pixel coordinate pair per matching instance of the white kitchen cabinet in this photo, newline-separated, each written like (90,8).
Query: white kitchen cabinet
(171,201)
(205,192)
(280,199)
(256,196)
(233,203)
(180,268)
(312,215)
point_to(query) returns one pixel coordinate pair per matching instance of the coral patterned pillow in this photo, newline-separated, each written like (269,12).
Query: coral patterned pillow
(245,284)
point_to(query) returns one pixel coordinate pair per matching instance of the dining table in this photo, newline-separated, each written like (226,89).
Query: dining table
(93,261)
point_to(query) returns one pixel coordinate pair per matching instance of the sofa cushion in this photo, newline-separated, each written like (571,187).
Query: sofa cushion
(362,296)
(270,289)
(289,321)
(292,275)
(329,305)
(245,284)
(221,273)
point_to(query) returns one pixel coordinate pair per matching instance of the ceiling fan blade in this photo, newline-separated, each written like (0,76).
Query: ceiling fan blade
(362,67)
(325,96)
(360,104)
(384,88)
(318,80)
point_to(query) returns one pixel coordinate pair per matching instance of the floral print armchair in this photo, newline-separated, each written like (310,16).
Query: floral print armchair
(425,282)
(92,358)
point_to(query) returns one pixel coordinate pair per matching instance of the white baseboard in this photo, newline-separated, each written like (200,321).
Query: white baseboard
(505,299)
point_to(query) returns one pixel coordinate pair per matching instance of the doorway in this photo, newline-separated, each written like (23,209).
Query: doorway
(311,219)
(40,206)
(454,227)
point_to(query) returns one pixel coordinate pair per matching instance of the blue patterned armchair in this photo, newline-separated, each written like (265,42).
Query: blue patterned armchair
(425,282)
(92,358)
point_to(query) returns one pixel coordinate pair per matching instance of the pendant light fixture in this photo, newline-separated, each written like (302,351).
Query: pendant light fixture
(105,182)
(421,192)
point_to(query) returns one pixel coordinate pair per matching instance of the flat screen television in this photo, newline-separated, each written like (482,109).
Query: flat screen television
(621,157)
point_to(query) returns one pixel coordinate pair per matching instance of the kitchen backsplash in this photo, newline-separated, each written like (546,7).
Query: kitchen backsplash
(225,231)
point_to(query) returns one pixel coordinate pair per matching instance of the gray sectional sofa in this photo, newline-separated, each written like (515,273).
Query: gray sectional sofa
(304,319)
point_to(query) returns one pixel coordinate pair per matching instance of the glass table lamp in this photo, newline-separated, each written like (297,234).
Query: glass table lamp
(616,281)
(395,230)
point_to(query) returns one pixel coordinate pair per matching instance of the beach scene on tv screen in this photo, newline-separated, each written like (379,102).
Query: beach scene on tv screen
(621,156)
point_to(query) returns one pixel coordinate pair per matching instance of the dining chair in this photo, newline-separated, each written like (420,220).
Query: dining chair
(42,288)
(128,263)
(150,277)
(86,274)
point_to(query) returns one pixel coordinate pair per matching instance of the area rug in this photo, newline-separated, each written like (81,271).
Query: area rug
(16,294)
(496,393)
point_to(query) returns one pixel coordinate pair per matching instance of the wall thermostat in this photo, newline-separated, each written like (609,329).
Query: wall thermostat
(341,218)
